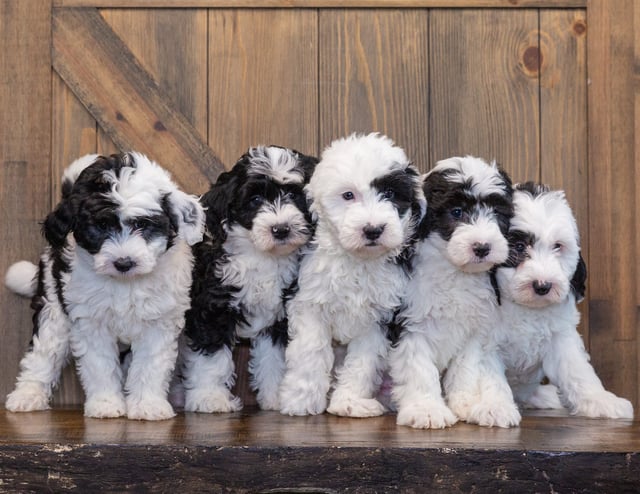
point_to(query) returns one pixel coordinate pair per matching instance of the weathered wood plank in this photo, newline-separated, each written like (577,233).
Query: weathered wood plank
(323,3)
(263,80)
(25,160)
(124,98)
(484,88)
(374,76)
(563,117)
(614,211)
(266,452)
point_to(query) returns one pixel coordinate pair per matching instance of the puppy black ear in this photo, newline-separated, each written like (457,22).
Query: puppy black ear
(189,215)
(216,203)
(579,279)
(59,223)
(308,165)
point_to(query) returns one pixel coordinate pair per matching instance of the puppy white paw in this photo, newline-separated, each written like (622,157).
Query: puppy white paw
(356,407)
(302,402)
(498,414)
(544,397)
(211,401)
(154,408)
(603,405)
(268,402)
(426,415)
(27,397)
(105,406)
(461,404)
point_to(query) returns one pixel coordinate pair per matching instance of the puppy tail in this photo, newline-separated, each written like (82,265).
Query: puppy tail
(22,278)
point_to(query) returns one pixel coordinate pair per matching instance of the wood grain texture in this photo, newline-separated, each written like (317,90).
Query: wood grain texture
(261,4)
(263,80)
(613,190)
(254,451)
(485,88)
(374,77)
(562,58)
(25,160)
(124,98)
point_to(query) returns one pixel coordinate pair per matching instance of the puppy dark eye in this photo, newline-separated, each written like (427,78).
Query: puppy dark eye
(456,213)
(557,247)
(520,247)
(140,224)
(102,225)
(388,194)
(348,196)
(255,201)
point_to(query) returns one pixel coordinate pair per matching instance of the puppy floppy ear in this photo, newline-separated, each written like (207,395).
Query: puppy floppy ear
(217,202)
(579,279)
(59,223)
(188,214)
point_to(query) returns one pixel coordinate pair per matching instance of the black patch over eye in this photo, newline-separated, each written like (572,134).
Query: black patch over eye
(519,243)
(398,188)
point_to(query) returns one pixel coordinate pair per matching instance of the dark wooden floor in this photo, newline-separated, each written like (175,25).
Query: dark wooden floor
(255,451)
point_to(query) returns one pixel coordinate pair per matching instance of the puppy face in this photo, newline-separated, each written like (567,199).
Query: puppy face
(124,213)
(261,201)
(544,262)
(367,196)
(469,209)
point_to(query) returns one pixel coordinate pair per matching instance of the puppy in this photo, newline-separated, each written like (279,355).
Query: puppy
(258,220)
(368,202)
(449,296)
(117,269)
(536,335)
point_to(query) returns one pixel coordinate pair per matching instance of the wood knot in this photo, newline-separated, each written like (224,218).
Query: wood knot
(532,59)
(159,126)
(120,117)
(579,27)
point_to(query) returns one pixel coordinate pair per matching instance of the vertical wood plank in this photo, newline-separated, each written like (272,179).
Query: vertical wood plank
(374,76)
(171,44)
(563,116)
(25,160)
(613,190)
(263,80)
(484,87)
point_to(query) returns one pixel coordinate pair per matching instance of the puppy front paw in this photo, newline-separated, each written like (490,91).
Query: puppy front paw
(218,400)
(426,415)
(356,407)
(302,401)
(496,414)
(462,403)
(155,408)
(105,406)
(603,405)
(27,397)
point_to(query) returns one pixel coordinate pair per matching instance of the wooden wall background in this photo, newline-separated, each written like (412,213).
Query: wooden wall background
(548,88)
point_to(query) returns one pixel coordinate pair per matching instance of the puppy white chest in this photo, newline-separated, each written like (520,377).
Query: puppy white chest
(260,281)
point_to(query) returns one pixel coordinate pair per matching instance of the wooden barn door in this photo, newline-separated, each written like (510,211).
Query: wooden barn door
(194,87)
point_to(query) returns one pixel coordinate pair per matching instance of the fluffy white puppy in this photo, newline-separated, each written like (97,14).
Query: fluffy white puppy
(449,296)
(117,269)
(368,202)
(536,335)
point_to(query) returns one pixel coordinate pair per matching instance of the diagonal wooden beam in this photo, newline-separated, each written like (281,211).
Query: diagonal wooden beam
(125,100)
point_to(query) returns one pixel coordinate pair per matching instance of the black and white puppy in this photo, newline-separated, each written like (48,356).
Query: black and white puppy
(449,296)
(368,201)
(257,221)
(117,269)
(535,335)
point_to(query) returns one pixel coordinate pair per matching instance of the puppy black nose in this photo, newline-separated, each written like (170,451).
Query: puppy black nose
(481,249)
(124,264)
(542,287)
(280,231)
(373,232)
